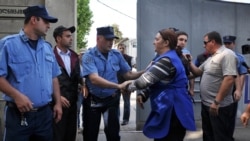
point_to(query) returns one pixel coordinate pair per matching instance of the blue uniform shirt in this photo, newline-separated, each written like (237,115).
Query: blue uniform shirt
(94,62)
(29,71)
(241,69)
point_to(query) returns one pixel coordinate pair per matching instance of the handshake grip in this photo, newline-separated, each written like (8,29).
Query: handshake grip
(131,87)
(143,93)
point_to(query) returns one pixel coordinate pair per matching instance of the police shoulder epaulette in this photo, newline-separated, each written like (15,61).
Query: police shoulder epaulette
(115,51)
(91,51)
(9,37)
(46,42)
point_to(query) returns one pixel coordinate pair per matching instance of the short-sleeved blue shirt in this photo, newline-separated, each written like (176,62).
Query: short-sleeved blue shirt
(93,61)
(29,71)
(241,69)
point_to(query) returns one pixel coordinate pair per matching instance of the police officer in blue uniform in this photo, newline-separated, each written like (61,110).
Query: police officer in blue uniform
(125,95)
(28,77)
(229,42)
(100,67)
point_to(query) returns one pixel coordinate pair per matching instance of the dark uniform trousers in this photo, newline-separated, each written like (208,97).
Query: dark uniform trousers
(94,108)
(38,125)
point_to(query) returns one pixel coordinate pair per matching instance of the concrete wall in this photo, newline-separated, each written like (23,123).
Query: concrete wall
(196,17)
(64,10)
(10,25)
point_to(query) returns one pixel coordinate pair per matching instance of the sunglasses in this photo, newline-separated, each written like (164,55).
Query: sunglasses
(205,42)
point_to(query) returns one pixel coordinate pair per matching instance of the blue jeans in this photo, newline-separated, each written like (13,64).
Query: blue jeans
(126,106)
(39,126)
(217,128)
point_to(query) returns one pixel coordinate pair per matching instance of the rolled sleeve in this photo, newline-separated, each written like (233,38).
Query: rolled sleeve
(229,65)
(55,69)
(88,64)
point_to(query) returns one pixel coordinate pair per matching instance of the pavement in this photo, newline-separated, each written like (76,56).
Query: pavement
(129,133)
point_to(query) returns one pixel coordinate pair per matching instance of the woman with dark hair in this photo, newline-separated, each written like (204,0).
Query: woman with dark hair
(185,55)
(182,38)
(165,83)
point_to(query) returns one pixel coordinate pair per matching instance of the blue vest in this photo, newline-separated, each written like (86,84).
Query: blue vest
(166,96)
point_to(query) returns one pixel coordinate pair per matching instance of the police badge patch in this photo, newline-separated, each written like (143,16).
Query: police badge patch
(88,59)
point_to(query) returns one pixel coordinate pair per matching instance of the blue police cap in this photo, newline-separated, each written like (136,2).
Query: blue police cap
(107,32)
(229,39)
(39,11)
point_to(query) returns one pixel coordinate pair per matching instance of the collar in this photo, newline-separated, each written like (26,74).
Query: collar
(62,53)
(24,37)
(97,51)
(219,50)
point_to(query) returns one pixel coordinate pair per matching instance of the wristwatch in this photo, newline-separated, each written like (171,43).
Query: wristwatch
(216,102)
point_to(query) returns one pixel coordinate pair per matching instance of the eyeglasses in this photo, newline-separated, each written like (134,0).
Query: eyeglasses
(205,42)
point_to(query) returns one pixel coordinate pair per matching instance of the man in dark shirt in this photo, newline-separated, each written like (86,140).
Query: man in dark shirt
(126,94)
(201,58)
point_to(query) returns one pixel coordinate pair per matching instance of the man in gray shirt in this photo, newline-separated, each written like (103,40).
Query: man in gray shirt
(218,77)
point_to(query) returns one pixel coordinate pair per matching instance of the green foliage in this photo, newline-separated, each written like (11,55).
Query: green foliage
(117,32)
(84,22)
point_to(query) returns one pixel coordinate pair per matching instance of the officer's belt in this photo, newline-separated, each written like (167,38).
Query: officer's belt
(103,98)
(13,105)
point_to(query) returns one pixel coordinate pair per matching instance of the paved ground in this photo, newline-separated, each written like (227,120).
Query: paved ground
(128,132)
(241,134)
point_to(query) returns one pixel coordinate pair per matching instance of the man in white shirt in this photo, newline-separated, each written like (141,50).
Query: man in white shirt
(68,61)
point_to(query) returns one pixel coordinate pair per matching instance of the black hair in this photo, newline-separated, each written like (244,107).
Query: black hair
(179,33)
(214,35)
(26,20)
